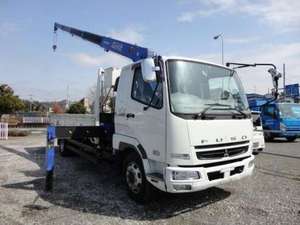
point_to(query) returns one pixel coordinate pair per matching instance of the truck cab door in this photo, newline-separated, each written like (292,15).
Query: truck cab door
(146,124)
(270,118)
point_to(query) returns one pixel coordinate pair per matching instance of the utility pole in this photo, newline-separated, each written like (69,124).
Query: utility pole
(222,45)
(283,74)
(30,103)
(68,97)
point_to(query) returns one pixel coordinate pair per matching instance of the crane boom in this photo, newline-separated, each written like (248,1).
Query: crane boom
(133,52)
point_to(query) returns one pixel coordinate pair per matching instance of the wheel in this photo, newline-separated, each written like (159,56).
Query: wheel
(139,189)
(63,151)
(268,137)
(291,138)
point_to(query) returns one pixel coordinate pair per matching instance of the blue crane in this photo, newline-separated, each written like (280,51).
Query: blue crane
(131,51)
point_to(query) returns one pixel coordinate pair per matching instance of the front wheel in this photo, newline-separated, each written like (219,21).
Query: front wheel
(291,139)
(268,137)
(138,187)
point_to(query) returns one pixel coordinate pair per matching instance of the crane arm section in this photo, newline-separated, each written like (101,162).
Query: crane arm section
(125,49)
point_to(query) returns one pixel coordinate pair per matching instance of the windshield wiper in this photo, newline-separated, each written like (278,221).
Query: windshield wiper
(202,114)
(217,104)
(239,111)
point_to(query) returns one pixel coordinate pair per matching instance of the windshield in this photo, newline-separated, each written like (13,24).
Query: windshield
(195,87)
(288,110)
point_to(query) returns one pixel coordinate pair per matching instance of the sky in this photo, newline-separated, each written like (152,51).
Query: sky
(264,31)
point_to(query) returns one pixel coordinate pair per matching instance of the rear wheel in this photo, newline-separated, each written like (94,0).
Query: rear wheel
(291,138)
(138,187)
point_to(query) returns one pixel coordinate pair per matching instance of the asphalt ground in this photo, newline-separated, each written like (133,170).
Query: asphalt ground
(88,194)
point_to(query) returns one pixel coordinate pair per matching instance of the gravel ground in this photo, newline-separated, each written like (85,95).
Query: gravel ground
(88,194)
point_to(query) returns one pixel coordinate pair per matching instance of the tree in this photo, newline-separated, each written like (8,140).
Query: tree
(92,94)
(9,103)
(6,90)
(35,106)
(77,108)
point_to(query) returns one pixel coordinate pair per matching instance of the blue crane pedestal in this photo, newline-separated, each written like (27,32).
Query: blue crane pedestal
(49,159)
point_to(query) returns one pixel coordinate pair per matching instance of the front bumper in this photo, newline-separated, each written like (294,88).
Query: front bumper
(210,176)
(258,142)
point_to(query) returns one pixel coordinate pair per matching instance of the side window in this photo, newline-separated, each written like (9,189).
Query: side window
(143,91)
(270,111)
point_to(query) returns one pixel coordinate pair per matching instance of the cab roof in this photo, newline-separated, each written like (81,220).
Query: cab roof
(194,60)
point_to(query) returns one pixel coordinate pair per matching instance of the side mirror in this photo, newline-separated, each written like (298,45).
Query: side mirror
(149,70)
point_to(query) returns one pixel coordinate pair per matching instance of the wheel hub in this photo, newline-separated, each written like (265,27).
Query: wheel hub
(134,177)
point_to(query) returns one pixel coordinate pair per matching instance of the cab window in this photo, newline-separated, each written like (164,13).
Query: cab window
(143,91)
(270,111)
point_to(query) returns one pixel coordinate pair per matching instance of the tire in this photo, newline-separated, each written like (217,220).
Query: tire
(63,151)
(291,139)
(139,189)
(268,137)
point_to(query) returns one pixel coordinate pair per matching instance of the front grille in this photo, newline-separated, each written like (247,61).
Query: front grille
(222,145)
(227,152)
(208,165)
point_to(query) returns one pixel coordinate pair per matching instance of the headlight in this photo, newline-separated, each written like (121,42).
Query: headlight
(185,175)
(282,127)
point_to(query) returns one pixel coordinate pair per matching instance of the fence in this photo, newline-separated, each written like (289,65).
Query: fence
(35,120)
(3,131)
(72,119)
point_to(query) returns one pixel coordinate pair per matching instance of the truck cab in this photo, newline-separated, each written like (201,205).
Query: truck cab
(190,127)
(281,120)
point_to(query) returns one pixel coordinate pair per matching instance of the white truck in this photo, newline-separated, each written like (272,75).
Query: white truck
(176,124)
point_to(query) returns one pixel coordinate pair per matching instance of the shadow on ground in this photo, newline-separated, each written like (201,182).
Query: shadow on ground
(82,186)
(283,140)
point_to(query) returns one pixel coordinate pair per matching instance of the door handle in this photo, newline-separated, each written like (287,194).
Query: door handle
(130,115)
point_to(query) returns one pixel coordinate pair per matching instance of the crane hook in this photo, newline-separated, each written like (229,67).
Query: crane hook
(54,46)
